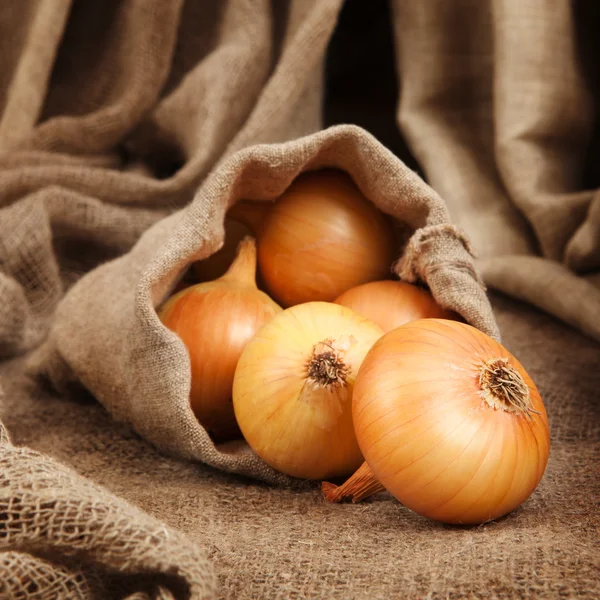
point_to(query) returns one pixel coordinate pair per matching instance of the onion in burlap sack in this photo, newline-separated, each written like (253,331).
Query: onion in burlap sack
(107,335)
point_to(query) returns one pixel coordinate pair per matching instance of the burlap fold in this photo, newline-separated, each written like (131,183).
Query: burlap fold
(111,114)
(49,513)
(498,104)
(61,214)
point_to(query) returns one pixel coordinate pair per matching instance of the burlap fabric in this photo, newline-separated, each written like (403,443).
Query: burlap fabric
(114,115)
(49,512)
(498,104)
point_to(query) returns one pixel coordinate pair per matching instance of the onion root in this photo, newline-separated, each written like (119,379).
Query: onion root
(503,387)
(326,366)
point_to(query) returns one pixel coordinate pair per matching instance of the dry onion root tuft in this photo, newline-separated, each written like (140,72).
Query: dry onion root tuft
(503,387)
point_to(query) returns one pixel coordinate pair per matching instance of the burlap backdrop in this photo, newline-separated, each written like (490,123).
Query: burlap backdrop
(113,114)
(498,105)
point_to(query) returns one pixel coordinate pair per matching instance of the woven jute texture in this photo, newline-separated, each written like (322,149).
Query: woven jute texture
(49,511)
(127,129)
(498,105)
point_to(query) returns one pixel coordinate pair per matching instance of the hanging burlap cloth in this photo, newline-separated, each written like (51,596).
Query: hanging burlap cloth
(127,129)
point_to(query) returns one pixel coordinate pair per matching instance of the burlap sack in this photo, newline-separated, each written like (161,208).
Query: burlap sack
(81,186)
(106,333)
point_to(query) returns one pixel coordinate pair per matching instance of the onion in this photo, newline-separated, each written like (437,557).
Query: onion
(218,263)
(449,422)
(391,304)
(321,238)
(292,391)
(215,321)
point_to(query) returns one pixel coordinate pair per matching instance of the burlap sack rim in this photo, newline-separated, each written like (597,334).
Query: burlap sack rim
(437,221)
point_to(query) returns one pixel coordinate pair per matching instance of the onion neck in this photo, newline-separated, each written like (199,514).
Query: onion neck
(361,485)
(243,269)
(504,388)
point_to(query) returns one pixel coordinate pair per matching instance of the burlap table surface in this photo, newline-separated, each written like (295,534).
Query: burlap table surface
(113,114)
(268,542)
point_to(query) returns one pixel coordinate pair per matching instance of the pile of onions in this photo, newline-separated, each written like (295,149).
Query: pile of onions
(292,391)
(391,303)
(362,374)
(215,321)
(321,238)
(449,422)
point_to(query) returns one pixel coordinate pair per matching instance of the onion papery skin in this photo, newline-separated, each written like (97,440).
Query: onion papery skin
(429,435)
(392,303)
(296,426)
(321,238)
